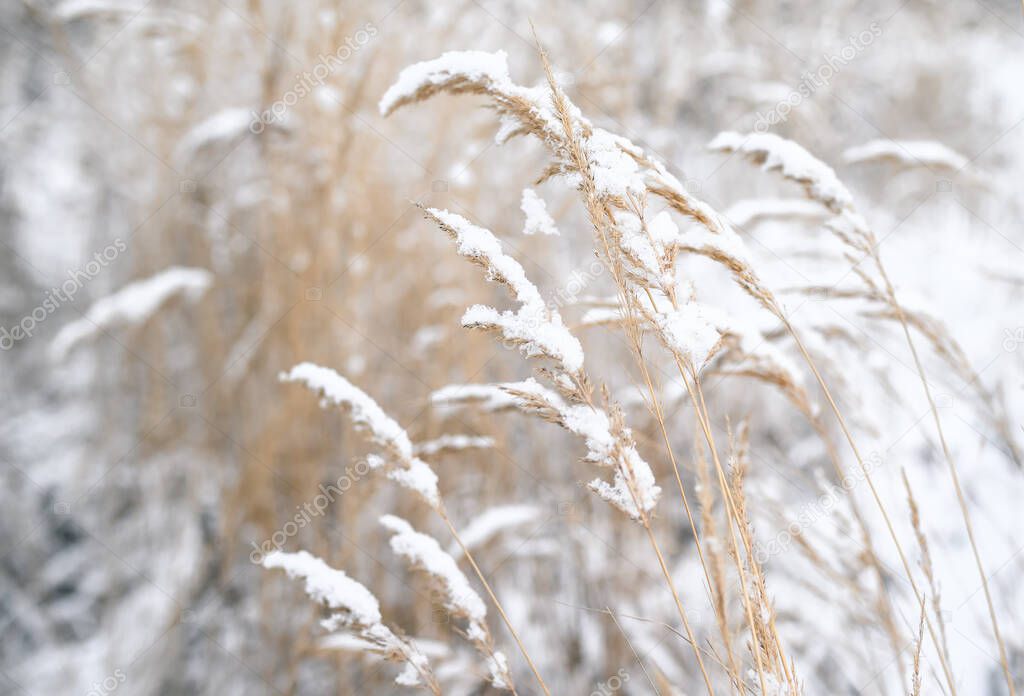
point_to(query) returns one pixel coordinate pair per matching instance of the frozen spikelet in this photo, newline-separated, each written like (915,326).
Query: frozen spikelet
(908,153)
(535,328)
(493,397)
(491,523)
(423,552)
(609,443)
(402,465)
(452,443)
(132,305)
(451,71)
(689,333)
(365,413)
(792,160)
(328,586)
(357,610)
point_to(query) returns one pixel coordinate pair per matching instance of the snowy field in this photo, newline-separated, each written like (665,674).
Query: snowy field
(544,348)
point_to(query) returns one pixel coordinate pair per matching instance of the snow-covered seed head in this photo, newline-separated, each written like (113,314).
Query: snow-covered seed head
(401,464)
(535,328)
(356,610)
(792,161)
(424,553)
(132,305)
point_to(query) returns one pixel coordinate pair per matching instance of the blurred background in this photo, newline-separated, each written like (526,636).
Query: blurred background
(146,459)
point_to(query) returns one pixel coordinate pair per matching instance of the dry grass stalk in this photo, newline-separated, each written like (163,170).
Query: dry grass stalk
(926,563)
(412,473)
(712,542)
(821,184)
(356,610)
(915,683)
(641,252)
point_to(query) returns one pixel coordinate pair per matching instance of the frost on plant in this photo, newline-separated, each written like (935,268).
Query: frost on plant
(401,463)
(131,305)
(460,599)
(538,220)
(354,609)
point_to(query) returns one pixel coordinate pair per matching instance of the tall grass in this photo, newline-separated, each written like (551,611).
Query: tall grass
(617,183)
(611,436)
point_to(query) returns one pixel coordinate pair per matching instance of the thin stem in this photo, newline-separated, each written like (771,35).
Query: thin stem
(871,486)
(679,604)
(730,510)
(744,535)
(494,600)
(659,415)
(885,602)
(952,471)
(646,523)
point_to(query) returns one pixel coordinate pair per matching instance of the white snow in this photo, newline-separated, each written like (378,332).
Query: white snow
(594,427)
(345,642)
(619,492)
(792,160)
(663,229)
(70,10)
(479,244)
(772,685)
(461,70)
(492,522)
(491,397)
(447,443)
(423,551)
(533,331)
(410,675)
(222,126)
(605,449)
(690,333)
(497,668)
(329,586)
(472,66)
(366,414)
(633,482)
(601,315)
(410,472)
(615,172)
(591,424)
(356,609)
(751,210)
(487,396)
(536,329)
(419,478)
(427,337)
(133,304)
(538,221)
(328,99)
(638,245)
(911,153)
